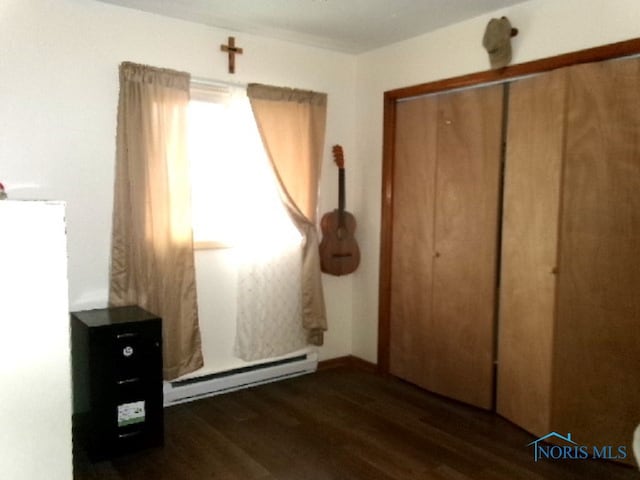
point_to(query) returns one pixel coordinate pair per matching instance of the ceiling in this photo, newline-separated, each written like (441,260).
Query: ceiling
(352,26)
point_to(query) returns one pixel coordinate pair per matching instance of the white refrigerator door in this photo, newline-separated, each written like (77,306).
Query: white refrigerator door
(35,372)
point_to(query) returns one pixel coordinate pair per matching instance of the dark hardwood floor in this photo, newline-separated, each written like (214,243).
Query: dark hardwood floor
(340,424)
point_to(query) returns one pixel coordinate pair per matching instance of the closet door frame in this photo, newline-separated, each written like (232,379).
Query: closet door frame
(391,97)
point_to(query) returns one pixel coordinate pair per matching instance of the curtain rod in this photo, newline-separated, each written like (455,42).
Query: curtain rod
(216,83)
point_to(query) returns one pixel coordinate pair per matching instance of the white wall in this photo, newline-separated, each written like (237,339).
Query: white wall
(547,28)
(58,95)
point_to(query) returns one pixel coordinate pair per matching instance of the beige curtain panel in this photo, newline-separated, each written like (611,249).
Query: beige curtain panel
(292,126)
(152,261)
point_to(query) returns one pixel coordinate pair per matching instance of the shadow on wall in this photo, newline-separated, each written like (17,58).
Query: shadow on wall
(636,445)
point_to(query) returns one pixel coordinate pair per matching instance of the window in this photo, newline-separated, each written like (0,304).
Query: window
(235,198)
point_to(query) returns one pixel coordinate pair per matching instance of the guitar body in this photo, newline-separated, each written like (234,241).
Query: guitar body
(339,251)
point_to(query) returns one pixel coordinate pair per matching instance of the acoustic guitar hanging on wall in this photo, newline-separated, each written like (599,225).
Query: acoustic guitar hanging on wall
(339,252)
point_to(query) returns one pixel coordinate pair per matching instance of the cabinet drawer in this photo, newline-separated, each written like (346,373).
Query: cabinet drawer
(137,417)
(129,349)
(136,353)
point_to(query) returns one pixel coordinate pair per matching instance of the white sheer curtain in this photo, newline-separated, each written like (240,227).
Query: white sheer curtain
(269,302)
(268,250)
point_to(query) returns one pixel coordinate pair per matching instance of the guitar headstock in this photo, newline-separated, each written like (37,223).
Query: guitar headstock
(338,156)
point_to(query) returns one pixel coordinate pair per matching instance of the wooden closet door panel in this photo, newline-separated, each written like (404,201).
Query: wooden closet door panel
(597,344)
(464,277)
(411,259)
(535,146)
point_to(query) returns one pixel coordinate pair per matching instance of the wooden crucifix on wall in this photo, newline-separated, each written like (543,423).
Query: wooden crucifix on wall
(231,49)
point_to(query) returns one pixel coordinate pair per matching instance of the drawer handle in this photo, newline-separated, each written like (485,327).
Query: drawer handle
(129,434)
(128,380)
(120,336)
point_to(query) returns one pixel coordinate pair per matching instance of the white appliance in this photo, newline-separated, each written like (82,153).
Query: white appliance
(35,367)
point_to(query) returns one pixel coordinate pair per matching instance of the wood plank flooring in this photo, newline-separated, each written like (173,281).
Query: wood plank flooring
(339,424)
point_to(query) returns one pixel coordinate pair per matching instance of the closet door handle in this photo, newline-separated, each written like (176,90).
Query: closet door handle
(554,271)
(436,255)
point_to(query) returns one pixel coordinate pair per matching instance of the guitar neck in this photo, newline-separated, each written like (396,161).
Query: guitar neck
(341,194)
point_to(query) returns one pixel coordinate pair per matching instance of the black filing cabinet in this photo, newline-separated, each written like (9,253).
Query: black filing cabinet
(117,380)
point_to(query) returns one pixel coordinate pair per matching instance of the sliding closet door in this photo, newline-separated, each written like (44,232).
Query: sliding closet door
(466,224)
(597,337)
(533,175)
(446,181)
(569,336)
(411,332)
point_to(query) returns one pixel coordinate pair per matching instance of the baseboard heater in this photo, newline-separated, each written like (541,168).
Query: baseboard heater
(187,390)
